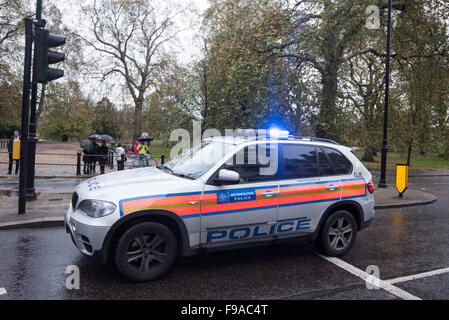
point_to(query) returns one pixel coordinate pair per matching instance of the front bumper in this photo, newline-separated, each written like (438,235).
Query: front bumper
(87,233)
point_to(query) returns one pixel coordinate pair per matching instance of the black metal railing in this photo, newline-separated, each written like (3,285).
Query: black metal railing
(4,143)
(79,163)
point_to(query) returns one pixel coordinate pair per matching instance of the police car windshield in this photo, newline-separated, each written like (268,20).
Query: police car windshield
(198,160)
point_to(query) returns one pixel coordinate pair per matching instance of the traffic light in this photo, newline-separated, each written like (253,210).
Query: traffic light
(44,41)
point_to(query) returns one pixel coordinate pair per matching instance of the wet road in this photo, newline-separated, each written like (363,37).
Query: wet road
(400,242)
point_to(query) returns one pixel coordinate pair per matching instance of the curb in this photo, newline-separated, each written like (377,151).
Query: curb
(45,222)
(403,205)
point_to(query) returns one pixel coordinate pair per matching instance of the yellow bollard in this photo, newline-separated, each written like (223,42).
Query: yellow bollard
(401,178)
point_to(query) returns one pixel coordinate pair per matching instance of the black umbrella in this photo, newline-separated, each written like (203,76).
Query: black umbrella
(145,138)
(105,137)
(84,143)
(94,136)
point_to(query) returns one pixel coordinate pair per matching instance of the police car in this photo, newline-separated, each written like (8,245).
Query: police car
(225,192)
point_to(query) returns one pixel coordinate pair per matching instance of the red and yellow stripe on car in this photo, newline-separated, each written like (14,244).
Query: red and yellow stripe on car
(183,204)
(353,188)
(297,194)
(188,205)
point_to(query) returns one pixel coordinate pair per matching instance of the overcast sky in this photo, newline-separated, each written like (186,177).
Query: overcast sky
(188,47)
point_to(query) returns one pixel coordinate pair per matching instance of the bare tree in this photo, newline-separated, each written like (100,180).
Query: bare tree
(132,37)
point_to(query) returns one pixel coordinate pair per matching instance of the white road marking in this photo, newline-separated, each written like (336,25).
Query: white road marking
(2,291)
(371,279)
(419,275)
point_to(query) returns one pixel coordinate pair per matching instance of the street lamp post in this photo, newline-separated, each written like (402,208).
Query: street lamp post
(383,163)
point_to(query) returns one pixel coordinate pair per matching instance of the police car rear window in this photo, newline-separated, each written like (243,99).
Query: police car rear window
(339,162)
(299,161)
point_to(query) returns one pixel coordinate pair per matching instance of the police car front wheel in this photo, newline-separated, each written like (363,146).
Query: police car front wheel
(338,233)
(145,251)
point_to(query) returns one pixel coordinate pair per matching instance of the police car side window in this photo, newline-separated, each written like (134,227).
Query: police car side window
(299,161)
(324,167)
(247,162)
(339,162)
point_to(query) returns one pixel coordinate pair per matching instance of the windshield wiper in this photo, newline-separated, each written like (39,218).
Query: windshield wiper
(182,175)
(164,167)
(178,174)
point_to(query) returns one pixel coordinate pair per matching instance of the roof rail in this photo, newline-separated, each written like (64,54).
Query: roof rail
(314,139)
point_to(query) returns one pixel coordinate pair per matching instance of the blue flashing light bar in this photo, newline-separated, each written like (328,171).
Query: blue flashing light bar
(275,132)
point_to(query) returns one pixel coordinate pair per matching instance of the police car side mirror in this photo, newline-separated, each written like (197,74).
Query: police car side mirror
(226,176)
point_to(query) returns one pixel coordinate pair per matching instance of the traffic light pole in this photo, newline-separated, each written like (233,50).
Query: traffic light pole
(43,41)
(383,163)
(30,191)
(25,114)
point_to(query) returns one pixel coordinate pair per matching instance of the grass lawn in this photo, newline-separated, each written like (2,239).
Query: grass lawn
(157,151)
(417,162)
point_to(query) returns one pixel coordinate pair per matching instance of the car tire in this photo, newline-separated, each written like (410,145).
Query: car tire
(145,251)
(338,233)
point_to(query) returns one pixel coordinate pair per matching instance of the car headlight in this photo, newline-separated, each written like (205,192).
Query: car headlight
(96,208)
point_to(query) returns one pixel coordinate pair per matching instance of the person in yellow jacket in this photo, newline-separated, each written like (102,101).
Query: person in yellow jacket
(143,149)
(14,152)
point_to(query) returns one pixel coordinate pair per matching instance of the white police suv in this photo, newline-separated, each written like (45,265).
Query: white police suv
(224,192)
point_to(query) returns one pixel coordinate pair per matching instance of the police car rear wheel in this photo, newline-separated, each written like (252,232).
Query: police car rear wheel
(338,233)
(145,252)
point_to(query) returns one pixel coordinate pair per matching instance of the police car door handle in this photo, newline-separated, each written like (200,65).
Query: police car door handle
(269,193)
(332,187)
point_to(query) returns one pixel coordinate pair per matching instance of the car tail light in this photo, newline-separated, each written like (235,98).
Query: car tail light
(370,186)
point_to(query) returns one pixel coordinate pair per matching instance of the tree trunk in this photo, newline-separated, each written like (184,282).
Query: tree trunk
(326,121)
(332,54)
(368,155)
(137,130)
(409,152)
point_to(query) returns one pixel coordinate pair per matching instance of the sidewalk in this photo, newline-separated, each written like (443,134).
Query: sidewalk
(388,198)
(50,207)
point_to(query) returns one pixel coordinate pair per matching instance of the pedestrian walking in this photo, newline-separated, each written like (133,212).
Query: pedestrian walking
(120,156)
(143,150)
(103,156)
(14,152)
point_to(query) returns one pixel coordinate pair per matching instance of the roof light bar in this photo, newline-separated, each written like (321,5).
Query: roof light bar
(277,133)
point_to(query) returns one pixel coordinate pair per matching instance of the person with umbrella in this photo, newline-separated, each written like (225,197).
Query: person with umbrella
(103,152)
(93,152)
(86,145)
(143,149)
